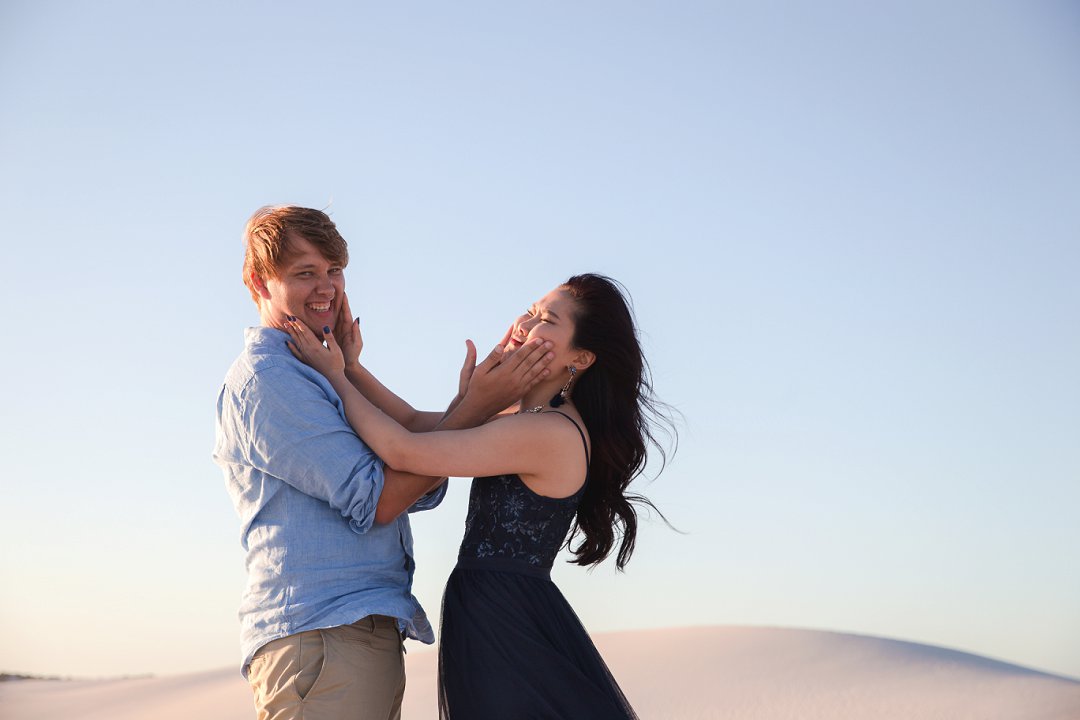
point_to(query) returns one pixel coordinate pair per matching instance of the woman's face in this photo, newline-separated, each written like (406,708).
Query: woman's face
(550,318)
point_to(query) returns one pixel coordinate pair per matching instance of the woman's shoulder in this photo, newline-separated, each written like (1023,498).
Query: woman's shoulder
(566,468)
(569,419)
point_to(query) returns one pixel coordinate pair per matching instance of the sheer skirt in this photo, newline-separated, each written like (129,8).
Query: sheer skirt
(511,647)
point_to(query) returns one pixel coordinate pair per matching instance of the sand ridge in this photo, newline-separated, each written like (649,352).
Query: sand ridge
(735,673)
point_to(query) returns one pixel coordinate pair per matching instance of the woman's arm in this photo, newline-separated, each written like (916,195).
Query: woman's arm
(518,444)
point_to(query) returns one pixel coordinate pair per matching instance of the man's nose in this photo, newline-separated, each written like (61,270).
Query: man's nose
(326,285)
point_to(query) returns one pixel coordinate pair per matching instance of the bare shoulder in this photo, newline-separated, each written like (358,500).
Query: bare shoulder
(561,423)
(568,418)
(566,463)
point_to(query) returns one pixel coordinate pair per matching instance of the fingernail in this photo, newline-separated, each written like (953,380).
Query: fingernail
(326,329)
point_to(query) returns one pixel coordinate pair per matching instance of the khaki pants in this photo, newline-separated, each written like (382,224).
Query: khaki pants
(349,672)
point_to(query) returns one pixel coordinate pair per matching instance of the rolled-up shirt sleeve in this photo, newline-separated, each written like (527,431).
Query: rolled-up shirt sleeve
(431,500)
(297,432)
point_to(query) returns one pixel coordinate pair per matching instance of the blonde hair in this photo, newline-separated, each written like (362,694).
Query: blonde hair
(268,240)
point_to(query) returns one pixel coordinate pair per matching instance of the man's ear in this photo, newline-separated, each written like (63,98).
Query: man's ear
(260,286)
(583,359)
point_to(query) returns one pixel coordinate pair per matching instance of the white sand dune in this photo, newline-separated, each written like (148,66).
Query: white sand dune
(735,673)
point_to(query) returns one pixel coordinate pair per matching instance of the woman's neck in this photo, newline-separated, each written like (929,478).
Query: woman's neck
(541,395)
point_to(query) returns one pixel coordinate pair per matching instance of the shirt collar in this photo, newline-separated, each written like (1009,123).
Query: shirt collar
(268,338)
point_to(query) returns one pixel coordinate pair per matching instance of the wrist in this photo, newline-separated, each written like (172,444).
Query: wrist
(461,414)
(481,405)
(337,375)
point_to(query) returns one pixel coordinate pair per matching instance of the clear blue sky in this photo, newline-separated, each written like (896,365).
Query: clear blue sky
(851,231)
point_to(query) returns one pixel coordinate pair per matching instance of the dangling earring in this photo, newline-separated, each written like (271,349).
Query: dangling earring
(565,392)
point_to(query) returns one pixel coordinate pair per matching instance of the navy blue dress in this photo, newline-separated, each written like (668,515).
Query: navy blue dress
(510,646)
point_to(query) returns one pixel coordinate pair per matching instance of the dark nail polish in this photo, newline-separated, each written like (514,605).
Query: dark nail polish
(326,329)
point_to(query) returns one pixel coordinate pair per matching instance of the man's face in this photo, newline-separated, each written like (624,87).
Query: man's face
(308,286)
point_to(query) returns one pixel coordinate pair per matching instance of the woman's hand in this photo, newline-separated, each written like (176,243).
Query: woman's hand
(347,334)
(309,349)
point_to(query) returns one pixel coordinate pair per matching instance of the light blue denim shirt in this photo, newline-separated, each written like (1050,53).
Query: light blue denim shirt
(305,487)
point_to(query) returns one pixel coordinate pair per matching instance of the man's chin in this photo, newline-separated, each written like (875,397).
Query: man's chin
(318,322)
(311,325)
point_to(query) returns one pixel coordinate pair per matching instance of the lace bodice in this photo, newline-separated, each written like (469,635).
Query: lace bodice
(508,520)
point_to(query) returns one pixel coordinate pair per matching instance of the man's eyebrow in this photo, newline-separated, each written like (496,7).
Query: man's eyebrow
(553,314)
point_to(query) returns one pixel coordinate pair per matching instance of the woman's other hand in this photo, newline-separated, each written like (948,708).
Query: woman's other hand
(347,334)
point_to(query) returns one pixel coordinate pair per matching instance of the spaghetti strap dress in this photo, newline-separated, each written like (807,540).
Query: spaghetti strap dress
(510,645)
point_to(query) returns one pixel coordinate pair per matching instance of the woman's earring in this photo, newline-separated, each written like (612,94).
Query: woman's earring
(565,392)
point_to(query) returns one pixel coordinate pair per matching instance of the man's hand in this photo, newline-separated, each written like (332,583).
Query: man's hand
(503,378)
(467,370)
(347,334)
(470,363)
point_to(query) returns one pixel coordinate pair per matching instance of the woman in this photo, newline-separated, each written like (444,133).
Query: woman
(510,645)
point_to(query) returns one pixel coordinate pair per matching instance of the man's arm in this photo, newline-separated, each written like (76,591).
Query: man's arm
(383,398)
(350,339)
(490,390)
(402,490)
(402,412)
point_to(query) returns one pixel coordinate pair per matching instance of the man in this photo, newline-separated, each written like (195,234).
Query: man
(324,524)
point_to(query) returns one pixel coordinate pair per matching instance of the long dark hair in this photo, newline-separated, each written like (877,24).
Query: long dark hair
(615,399)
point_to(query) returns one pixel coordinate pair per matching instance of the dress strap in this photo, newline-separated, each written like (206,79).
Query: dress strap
(583,441)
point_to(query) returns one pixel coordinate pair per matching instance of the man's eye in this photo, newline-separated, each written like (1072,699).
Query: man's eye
(335,271)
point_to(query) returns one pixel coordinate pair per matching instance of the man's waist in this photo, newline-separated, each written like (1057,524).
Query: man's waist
(403,613)
(299,590)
